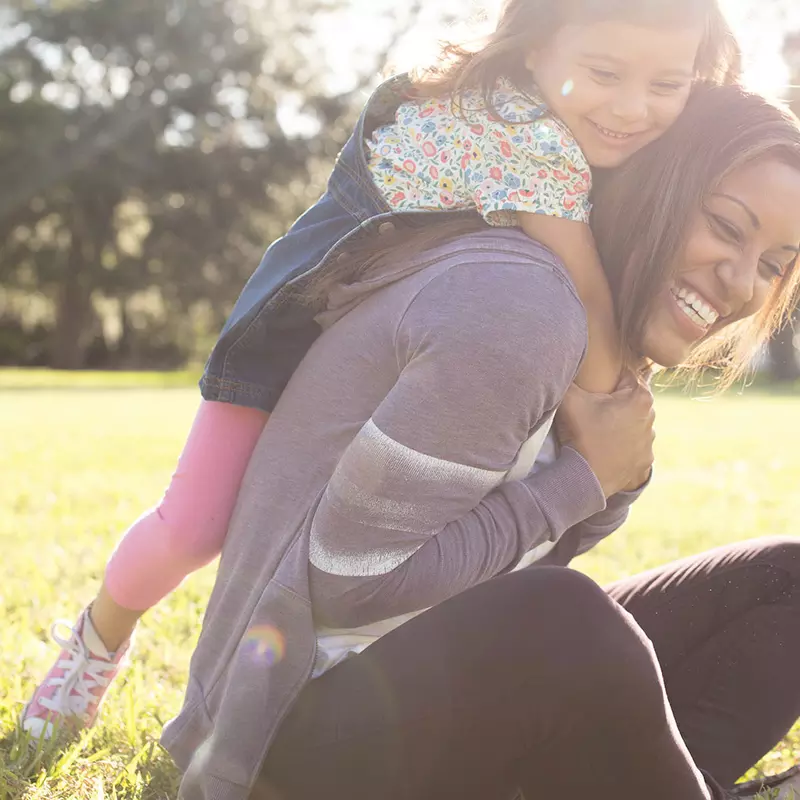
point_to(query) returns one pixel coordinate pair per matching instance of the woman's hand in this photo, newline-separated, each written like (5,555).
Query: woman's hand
(613,432)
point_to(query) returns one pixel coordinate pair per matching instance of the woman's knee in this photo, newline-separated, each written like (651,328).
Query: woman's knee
(597,646)
(571,597)
(587,617)
(782,552)
(773,563)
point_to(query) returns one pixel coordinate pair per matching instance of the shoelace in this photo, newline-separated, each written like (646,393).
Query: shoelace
(82,673)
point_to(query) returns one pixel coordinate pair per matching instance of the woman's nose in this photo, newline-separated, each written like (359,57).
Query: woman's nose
(739,276)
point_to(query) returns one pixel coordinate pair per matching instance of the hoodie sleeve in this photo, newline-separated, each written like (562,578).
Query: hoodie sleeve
(601,525)
(416,509)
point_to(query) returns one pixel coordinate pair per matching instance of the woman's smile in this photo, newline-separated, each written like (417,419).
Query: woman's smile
(702,314)
(739,245)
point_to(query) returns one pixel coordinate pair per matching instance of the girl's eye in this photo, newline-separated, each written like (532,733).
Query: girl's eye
(666,87)
(603,75)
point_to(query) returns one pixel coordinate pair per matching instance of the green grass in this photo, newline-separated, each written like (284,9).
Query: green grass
(84,454)
(28,379)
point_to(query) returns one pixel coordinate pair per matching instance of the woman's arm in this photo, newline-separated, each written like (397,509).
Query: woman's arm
(601,525)
(487,541)
(576,408)
(585,535)
(414,512)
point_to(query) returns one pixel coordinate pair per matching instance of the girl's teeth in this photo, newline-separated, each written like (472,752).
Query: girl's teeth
(614,135)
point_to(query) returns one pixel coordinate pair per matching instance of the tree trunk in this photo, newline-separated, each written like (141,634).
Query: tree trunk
(127,339)
(74,306)
(783,355)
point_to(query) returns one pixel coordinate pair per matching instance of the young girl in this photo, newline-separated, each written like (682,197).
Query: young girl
(508,131)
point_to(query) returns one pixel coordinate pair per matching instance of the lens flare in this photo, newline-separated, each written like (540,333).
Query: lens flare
(201,756)
(264,643)
(567,88)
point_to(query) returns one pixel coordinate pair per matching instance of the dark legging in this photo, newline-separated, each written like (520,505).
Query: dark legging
(538,680)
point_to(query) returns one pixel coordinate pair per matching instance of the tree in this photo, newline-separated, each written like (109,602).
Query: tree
(146,158)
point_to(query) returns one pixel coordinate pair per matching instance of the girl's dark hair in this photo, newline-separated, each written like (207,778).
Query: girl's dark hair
(645,209)
(526,24)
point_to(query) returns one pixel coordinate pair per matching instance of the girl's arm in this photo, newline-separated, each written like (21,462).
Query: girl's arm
(573,243)
(536,176)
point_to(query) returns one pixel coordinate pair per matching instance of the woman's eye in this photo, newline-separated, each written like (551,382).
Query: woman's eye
(727,229)
(771,271)
(604,75)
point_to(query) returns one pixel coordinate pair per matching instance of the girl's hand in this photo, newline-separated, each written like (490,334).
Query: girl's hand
(613,432)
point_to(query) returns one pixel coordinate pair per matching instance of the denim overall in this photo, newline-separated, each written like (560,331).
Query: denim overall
(272,324)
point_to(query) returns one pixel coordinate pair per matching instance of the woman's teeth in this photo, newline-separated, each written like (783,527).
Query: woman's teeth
(698,312)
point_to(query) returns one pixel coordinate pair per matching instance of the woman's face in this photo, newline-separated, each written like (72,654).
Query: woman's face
(744,238)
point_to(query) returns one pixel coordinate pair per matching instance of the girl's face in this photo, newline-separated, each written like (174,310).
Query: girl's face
(616,86)
(746,236)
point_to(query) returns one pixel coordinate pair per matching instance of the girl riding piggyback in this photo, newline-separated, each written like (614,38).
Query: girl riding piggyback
(509,130)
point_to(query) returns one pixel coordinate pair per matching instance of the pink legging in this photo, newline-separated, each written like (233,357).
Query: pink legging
(187,528)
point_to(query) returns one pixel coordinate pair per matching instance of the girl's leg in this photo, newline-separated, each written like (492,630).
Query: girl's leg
(187,528)
(184,532)
(726,628)
(533,680)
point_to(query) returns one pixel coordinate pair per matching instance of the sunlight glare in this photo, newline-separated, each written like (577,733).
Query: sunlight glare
(759,28)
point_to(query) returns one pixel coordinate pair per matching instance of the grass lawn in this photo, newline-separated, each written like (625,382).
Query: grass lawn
(84,454)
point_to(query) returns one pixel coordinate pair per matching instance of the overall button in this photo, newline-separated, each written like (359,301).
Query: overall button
(385,227)
(342,257)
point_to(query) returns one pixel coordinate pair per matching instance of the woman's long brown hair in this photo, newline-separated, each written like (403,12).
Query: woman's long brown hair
(644,210)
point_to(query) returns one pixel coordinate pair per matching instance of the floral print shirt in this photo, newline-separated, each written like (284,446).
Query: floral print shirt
(431,158)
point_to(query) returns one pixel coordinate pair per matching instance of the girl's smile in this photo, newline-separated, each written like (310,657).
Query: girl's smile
(615,85)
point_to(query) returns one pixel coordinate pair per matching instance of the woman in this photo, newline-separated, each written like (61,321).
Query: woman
(396,473)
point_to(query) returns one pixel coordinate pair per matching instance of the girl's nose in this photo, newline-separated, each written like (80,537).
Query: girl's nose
(630,105)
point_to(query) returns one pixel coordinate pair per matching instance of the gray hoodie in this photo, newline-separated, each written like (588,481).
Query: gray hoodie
(380,485)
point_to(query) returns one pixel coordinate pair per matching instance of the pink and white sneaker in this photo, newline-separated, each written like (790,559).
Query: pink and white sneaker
(71,694)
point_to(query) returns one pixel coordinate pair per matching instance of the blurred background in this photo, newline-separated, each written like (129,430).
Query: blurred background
(150,150)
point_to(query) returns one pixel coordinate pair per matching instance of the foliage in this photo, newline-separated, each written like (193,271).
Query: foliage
(150,149)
